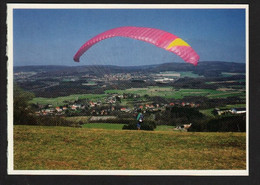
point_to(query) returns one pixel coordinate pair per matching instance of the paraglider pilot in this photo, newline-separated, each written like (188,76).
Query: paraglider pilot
(140,119)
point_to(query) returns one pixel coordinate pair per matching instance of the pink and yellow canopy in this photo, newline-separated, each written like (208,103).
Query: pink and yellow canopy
(159,38)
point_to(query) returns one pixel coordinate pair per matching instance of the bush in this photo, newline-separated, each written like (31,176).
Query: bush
(47,121)
(227,124)
(146,125)
(199,126)
(22,111)
(236,123)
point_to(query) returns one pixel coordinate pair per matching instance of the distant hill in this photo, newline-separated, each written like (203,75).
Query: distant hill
(206,68)
(40,68)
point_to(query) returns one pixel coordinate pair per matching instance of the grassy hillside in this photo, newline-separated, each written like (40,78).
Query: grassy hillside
(103,126)
(49,148)
(120,126)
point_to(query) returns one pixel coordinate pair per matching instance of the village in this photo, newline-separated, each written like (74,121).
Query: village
(107,106)
(112,105)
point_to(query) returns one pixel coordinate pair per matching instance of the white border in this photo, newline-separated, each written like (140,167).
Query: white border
(247,87)
(9,49)
(125,6)
(10,169)
(134,172)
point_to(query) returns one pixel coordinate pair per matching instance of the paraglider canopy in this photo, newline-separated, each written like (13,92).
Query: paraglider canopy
(157,37)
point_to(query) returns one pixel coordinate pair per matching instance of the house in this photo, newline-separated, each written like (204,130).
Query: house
(58,109)
(147,106)
(219,112)
(47,111)
(123,109)
(103,112)
(192,105)
(74,107)
(238,110)
(92,104)
(49,105)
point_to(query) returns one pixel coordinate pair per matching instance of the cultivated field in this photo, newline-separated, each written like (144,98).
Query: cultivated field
(65,148)
(165,92)
(169,92)
(63,99)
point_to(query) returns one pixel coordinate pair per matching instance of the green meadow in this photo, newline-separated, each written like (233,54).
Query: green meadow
(169,92)
(226,74)
(65,148)
(59,101)
(103,126)
(166,92)
(182,74)
(120,126)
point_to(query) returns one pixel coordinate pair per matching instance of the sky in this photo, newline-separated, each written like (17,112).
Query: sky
(53,36)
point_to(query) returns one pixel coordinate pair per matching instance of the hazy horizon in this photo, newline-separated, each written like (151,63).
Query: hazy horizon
(82,65)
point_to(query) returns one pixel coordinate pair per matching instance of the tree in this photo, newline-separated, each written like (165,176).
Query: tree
(23,114)
(118,99)
(22,111)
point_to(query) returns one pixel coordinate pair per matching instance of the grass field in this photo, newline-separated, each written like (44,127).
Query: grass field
(189,74)
(83,119)
(182,74)
(64,148)
(59,101)
(169,92)
(166,92)
(103,126)
(120,126)
(225,74)
(164,128)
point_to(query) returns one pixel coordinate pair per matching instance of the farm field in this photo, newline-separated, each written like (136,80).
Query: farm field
(166,92)
(182,74)
(189,74)
(169,92)
(59,101)
(226,74)
(65,148)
